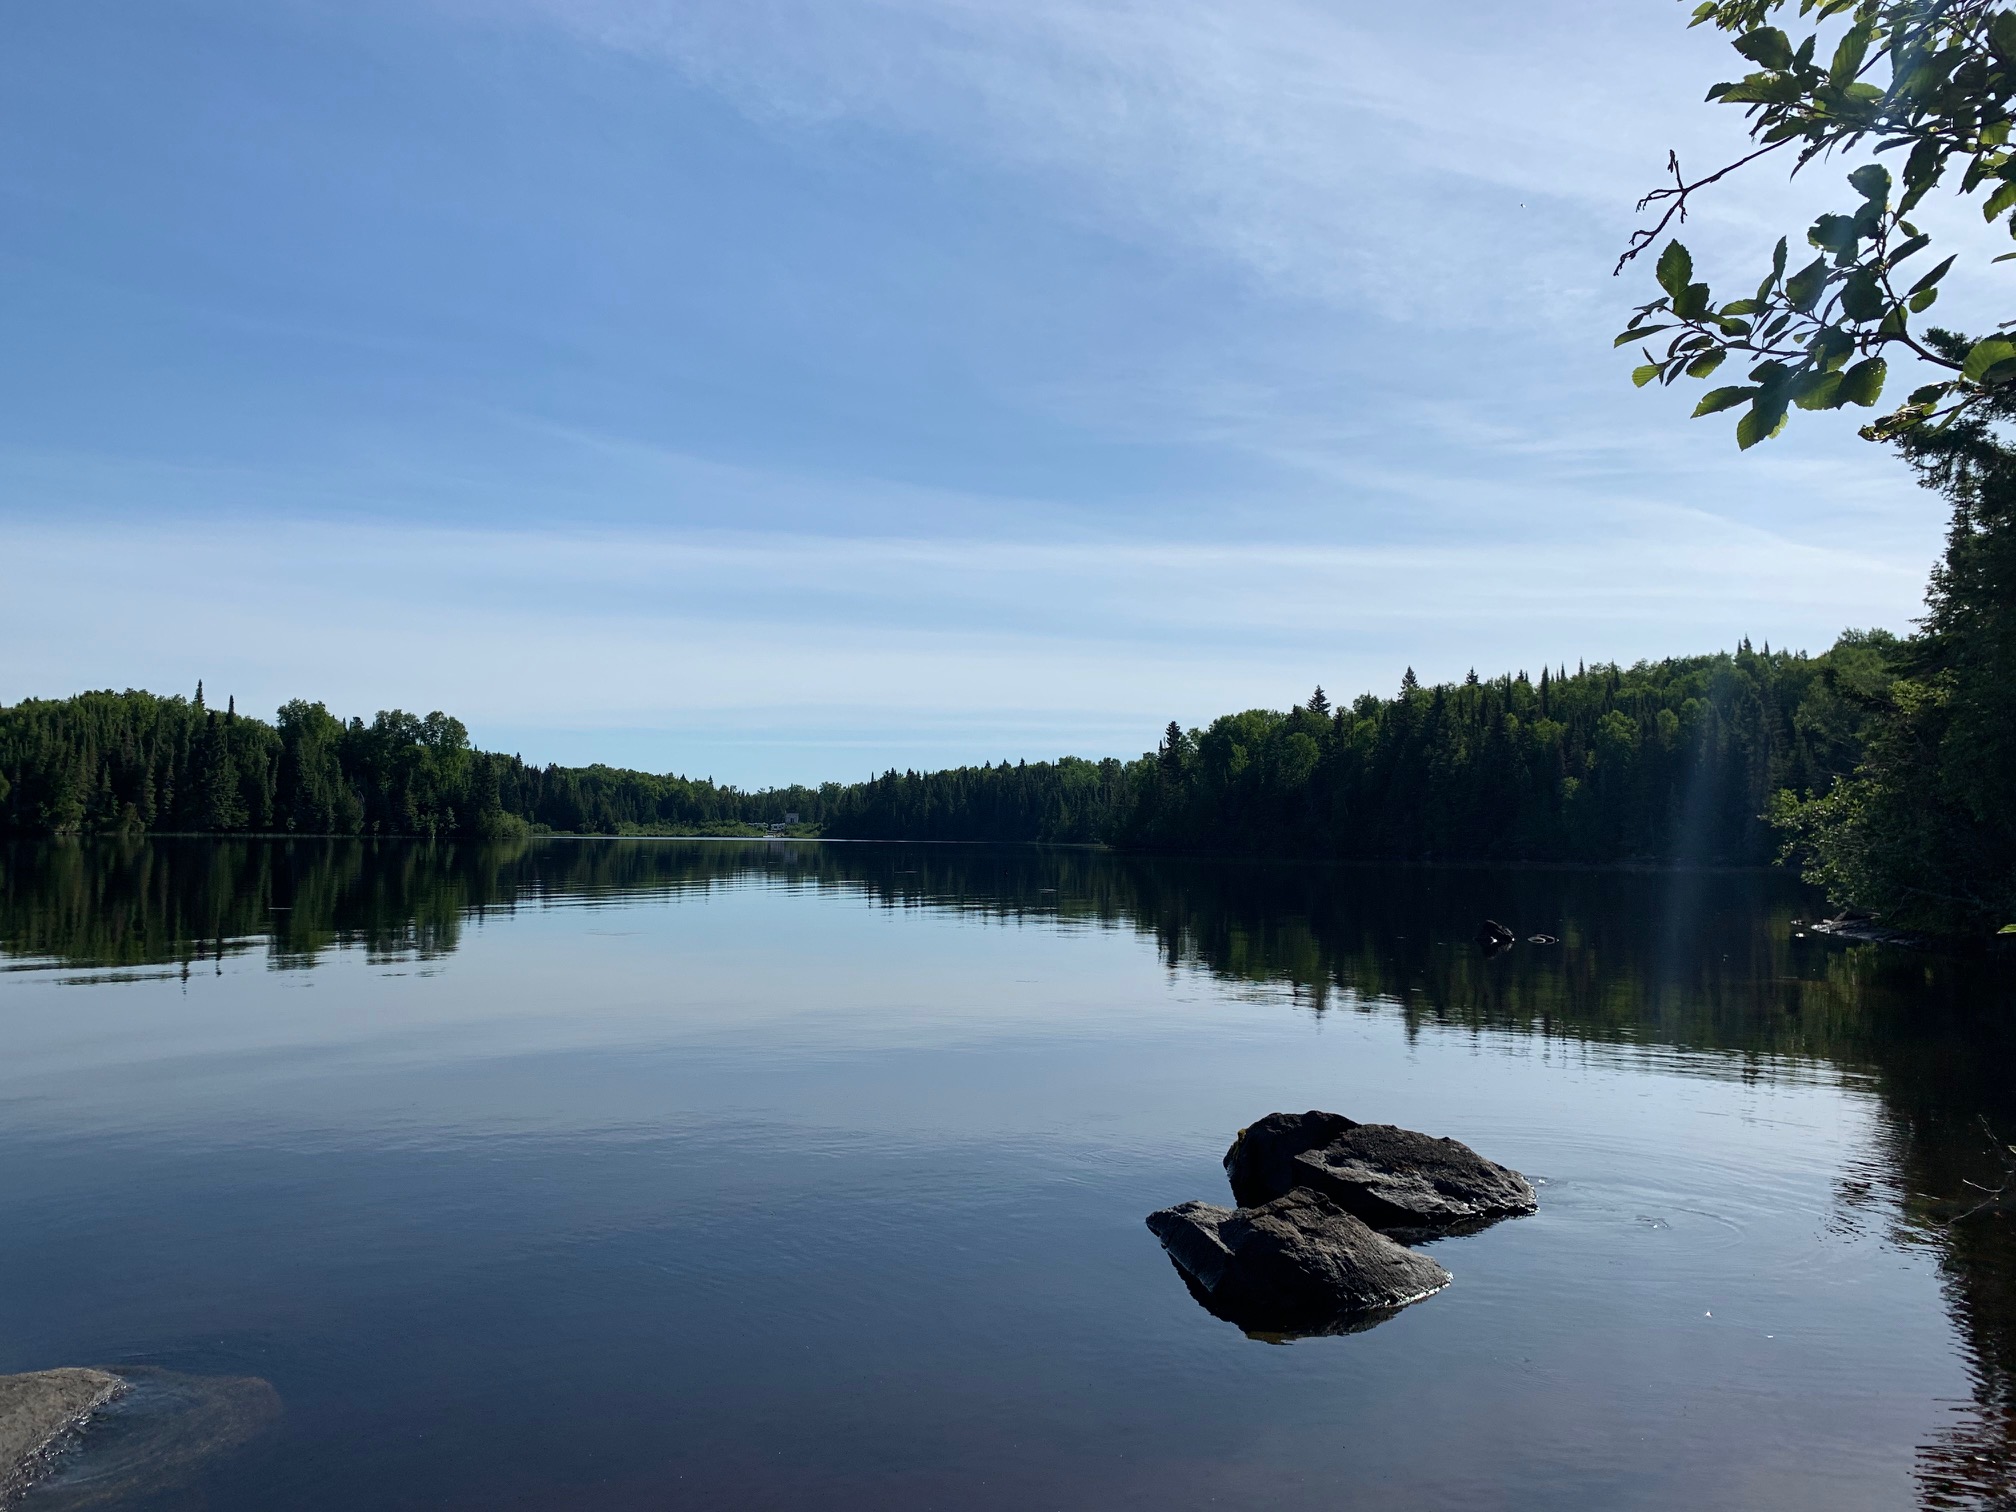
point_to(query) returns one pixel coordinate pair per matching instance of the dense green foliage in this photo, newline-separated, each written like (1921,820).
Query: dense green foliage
(1930,81)
(1673,761)
(133,762)
(1069,800)
(1925,831)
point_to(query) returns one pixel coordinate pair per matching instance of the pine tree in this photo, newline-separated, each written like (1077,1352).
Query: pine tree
(1319,703)
(1409,683)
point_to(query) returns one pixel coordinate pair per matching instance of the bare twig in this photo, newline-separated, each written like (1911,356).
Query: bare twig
(1677,193)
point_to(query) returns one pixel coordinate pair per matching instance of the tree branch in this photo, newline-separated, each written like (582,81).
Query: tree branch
(1645,237)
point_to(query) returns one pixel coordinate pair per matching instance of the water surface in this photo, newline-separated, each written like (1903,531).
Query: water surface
(628,1174)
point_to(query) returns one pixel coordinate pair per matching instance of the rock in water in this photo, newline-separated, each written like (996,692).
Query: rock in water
(1298,1264)
(1261,1162)
(1398,1179)
(1493,937)
(36,1410)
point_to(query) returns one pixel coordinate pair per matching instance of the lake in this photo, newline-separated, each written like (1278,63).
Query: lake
(624,1174)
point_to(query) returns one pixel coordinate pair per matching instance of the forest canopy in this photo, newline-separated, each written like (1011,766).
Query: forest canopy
(1673,761)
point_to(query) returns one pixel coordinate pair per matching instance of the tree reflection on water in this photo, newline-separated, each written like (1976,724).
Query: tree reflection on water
(1689,961)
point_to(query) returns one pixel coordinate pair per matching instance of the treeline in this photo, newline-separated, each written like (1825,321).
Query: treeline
(1069,801)
(1675,761)
(135,762)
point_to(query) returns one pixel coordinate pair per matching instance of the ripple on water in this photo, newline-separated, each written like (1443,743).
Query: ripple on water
(155,1434)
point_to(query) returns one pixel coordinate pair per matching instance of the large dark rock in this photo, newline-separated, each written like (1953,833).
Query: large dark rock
(1261,1162)
(1297,1265)
(1400,1180)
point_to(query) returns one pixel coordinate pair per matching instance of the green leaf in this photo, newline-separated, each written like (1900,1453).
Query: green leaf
(1928,394)
(1706,363)
(2000,200)
(2002,34)
(1863,383)
(1848,56)
(1830,348)
(1933,277)
(1835,233)
(1691,303)
(1983,355)
(1638,333)
(1716,400)
(1871,181)
(1761,423)
(1778,260)
(2006,928)
(1822,392)
(1922,300)
(1675,270)
(1644,374)
(1767,47)
(1740,307)
(1862,297)
(1803,289)
(1910,248)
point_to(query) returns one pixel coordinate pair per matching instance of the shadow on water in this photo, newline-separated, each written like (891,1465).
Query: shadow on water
(1934,1038)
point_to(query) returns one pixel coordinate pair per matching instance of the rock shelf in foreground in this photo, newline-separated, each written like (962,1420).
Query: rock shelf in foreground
(37,1409)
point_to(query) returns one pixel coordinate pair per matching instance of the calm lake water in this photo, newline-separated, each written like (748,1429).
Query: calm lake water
(648,1174)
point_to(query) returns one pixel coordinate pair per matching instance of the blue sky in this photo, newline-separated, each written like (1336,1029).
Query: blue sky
(784,389)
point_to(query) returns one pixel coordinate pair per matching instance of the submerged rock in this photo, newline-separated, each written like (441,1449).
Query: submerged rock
(1297,1265)
(37,1410)
(1261,1162)
(1397,1179)
(151,1431)
(1493,937)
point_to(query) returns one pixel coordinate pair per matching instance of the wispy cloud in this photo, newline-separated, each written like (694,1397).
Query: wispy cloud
(824,638)
(1449,163)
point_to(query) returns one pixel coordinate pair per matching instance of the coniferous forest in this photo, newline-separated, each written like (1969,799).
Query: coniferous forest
(1676,761)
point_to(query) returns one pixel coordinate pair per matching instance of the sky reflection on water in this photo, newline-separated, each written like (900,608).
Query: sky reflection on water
(643,1173)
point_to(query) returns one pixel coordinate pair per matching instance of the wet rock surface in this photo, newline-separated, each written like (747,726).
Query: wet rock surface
(1493,937)
(37,1410)
(1391,1178)
(1325,1203)
(1297,1265)
(1394,1178)
(151,1431)
(1261,1163)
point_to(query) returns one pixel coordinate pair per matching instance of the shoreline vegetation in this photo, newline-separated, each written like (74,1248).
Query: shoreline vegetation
(1673,762)
(1736,759)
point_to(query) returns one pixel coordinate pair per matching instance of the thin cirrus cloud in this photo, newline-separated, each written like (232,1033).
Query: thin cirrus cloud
(777,388)
(762,655)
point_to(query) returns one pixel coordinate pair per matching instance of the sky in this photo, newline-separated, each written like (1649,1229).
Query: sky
(784,390)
